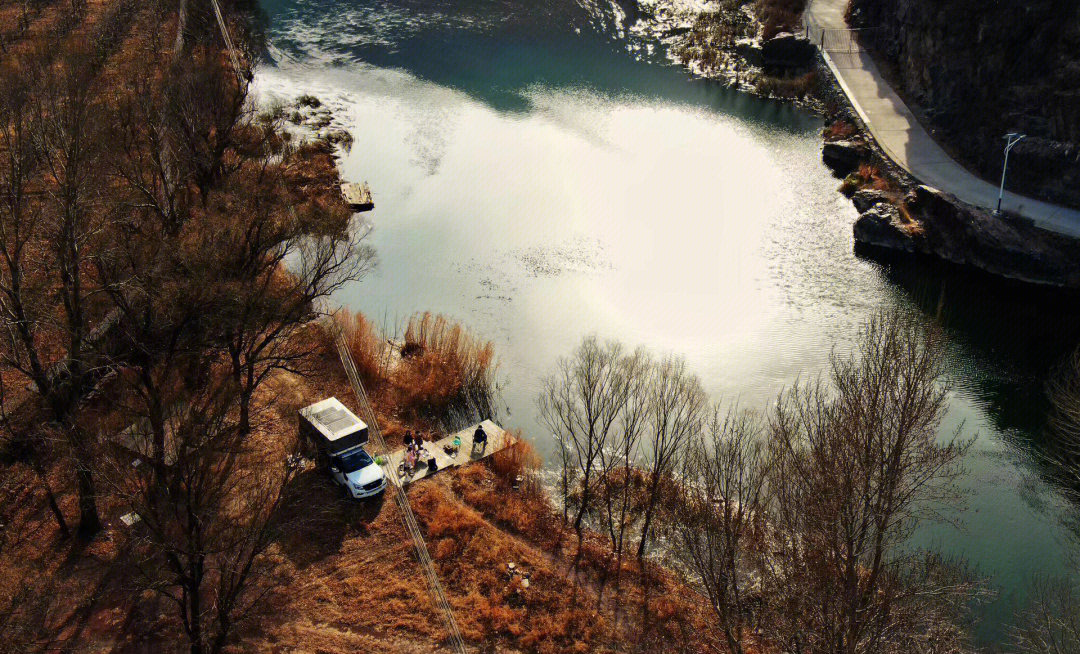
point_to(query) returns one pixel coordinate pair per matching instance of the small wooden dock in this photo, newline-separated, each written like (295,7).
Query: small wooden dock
(357,196)
(497,439)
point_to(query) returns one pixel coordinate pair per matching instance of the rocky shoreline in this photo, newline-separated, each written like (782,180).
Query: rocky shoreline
(929,222)
(727,41)
(901,217)
(898,215)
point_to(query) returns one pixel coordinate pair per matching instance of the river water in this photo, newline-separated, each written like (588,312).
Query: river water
(540,173)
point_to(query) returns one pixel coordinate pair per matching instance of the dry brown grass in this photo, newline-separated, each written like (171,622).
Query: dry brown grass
(445,365)
(343,576)
(868,176)
(516,463)
(779,16)
(441,374)
(789,88)
(839,130)
(912,225)
(651,609)
(369,349)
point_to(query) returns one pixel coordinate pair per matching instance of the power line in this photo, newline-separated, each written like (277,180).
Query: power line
(407,515)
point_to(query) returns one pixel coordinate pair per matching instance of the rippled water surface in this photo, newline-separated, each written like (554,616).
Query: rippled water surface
(540,173)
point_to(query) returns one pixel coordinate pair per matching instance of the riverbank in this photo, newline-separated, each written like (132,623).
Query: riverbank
(752,45)
(899,216)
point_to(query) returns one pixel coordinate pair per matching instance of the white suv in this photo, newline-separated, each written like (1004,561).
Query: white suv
(355,470)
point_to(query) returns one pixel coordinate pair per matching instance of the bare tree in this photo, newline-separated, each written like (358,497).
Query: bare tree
(20,226)
(580,404)
(48,236)
(207,519)
(719,517)
(621,482)
(935,612)
(676,411)
(275,304)
(1050,624)
(854,469)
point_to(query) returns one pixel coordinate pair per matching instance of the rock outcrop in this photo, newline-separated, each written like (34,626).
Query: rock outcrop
(867,198)
(786,50)
(979,70)
(936,224)
(842,157)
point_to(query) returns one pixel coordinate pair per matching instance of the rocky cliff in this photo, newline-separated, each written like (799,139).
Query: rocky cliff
(977,70)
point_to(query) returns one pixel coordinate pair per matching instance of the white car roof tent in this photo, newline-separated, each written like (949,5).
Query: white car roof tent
(334,428)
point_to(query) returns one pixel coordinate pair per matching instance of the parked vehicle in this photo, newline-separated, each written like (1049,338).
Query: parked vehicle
(334,437)
(358,473)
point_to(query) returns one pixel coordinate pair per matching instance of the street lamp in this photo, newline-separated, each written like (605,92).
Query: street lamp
(1011,139)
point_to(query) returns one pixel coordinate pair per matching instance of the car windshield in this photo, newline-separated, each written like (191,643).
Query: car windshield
(355,461)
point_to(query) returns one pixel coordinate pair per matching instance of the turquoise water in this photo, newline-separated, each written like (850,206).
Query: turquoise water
(541,173)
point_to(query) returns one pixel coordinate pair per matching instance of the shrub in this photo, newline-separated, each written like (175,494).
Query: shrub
(451,522)
(787,87)
(519,460)
(867,172)
(850,185)
(714,32)
(779,16)
(839,130)
(911,225)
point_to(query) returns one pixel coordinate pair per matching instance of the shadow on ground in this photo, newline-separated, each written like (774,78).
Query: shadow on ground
(318,517)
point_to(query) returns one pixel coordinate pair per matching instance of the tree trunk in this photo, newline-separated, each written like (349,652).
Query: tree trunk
(50,497)
(195,611)
(647,524)
(245,416)
(65,533)
(89,521)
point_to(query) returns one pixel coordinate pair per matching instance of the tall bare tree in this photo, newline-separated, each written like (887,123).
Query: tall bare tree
(49,234)
(274,302)
(580,405)
(720,520)
(621,483)
(855,467)
(677,405)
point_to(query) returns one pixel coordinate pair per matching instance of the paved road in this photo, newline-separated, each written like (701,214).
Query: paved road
(901,136)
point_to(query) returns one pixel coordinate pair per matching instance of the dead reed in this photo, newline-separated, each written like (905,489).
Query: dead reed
(449,371)
(369,349)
